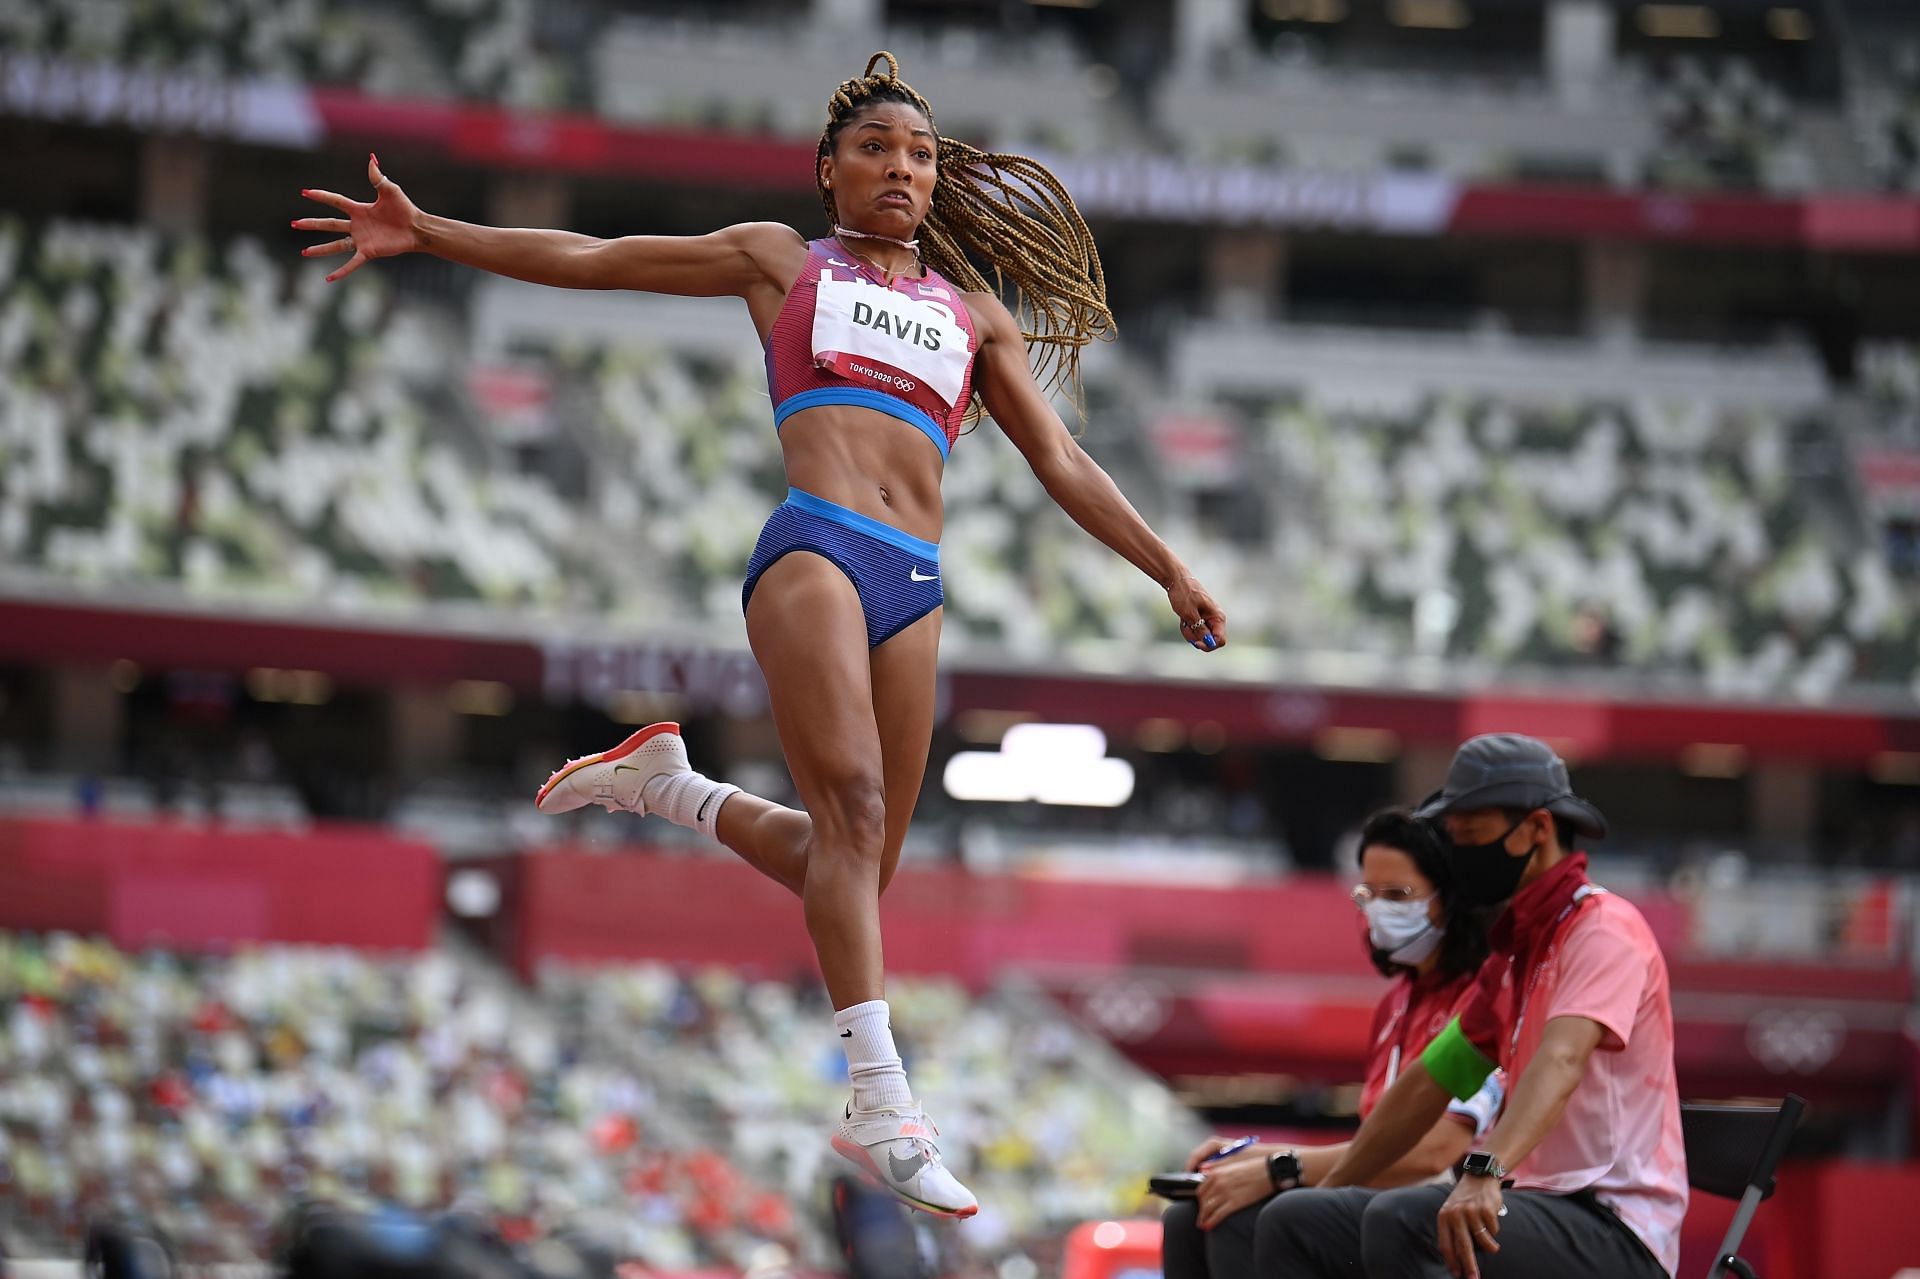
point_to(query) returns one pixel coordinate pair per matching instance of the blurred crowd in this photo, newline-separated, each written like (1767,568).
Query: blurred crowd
(1720,121)
(201,416)
(210,417)
(210,1095)
(1671,537)
(1723,126)
(1051,1126)
(1887,116)
(485,49)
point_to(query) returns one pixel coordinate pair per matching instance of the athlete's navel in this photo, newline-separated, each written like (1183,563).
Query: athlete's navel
(886,495)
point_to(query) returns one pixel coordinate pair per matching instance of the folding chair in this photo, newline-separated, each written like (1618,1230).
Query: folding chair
(1732,1152)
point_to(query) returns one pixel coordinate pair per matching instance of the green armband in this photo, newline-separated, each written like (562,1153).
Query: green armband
(1455,1064)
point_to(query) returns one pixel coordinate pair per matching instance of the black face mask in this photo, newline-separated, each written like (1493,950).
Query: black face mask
(1487,874)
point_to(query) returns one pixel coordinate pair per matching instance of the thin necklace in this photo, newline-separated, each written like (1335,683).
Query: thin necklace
(884,272)
(872,235)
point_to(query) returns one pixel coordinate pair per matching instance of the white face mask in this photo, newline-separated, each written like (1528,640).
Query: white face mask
(1402,931)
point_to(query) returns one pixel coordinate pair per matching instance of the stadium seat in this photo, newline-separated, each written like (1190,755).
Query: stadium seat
(661,1115)
(1732,1151)
(260,438)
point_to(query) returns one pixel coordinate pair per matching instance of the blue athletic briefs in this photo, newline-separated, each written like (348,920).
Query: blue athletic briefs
(896,575)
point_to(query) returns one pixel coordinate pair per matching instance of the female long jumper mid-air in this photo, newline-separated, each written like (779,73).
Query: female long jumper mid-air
(875,347)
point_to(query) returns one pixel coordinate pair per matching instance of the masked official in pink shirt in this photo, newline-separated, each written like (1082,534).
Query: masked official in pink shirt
(1584,1175)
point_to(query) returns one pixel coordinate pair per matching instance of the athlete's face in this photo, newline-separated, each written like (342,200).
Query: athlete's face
(881,172)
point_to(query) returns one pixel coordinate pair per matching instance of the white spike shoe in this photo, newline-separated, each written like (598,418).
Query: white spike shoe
(894,1148)
(614,779)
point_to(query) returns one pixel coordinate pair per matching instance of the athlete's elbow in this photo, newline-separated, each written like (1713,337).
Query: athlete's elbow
(1061,469)
(588,265)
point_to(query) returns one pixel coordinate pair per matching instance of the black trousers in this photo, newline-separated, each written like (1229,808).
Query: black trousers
(1354,1233)
(1225,1252)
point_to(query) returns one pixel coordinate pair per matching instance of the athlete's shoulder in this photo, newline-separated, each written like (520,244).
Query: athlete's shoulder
(769,234)
(991,319)
(775,248)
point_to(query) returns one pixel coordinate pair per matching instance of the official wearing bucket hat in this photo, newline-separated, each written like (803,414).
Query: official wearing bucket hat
(1499,782)
(1508,770)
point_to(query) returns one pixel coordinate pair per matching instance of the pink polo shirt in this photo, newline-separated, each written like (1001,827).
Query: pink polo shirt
(1620,1133)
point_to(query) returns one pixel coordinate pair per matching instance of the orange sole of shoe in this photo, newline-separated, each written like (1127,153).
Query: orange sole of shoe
(621,751)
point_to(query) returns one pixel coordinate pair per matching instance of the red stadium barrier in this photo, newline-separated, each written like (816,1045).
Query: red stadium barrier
(1197,980)
(1849,1220)
(193,887)
(1121,1249)
(1598,727)
(584,906)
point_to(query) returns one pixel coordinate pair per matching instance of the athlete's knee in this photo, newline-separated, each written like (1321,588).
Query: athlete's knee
(850,817)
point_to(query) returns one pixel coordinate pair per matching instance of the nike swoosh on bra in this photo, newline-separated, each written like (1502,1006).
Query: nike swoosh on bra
(902,1169)
(914,575)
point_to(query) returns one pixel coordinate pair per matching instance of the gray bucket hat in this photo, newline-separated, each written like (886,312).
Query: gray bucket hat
(1508,770)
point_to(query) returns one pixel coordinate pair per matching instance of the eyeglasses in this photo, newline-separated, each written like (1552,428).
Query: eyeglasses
(1364,893)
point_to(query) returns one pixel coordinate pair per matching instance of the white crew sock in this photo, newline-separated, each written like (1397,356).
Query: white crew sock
(688,799)
(873,1063)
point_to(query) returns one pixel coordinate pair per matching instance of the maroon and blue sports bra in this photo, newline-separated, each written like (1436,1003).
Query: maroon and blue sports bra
(844,336)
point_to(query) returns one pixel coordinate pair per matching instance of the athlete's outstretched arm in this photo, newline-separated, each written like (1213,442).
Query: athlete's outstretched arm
(737,261)
(1073,479)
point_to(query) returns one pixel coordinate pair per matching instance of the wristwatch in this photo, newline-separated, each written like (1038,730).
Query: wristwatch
(1484,1163)
(1283,1169)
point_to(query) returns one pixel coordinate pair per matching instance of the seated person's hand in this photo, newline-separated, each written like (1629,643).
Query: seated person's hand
(1205,1151)
(1468,1224)
(1232,1185)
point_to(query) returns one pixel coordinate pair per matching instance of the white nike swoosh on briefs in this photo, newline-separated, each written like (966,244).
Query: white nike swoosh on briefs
(913,575)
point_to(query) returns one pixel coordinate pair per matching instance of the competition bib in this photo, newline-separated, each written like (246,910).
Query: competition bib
(906,346)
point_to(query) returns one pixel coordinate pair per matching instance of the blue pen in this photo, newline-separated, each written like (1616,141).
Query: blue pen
(1233,1147)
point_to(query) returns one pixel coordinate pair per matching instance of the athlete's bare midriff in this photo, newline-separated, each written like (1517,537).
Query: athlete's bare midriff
(867,462)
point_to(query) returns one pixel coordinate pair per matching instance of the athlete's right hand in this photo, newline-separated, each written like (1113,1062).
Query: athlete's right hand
(1202,623)
(384,229)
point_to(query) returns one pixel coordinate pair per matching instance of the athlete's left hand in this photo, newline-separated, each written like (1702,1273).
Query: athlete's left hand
(1202,624)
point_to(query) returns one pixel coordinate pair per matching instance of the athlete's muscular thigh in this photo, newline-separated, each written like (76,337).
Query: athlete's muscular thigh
(905,687)
(809,635)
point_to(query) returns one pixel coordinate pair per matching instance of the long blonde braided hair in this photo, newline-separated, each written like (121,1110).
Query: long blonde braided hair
(1012,214)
